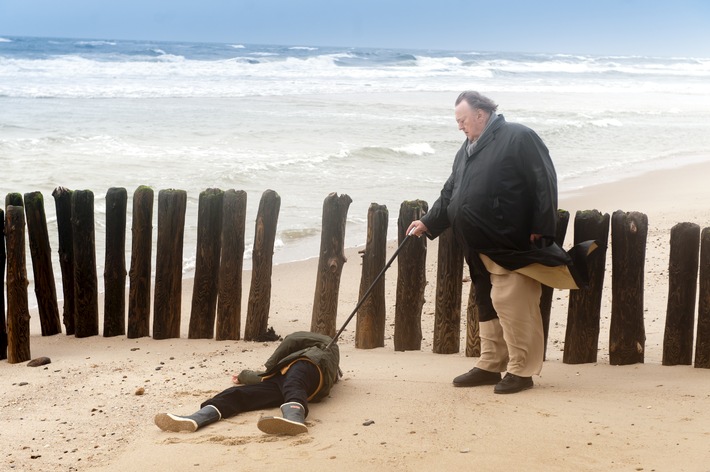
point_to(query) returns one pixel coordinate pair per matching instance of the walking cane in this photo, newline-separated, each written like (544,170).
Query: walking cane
(367,293)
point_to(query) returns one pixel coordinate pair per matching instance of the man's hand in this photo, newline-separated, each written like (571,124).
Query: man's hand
(416,228)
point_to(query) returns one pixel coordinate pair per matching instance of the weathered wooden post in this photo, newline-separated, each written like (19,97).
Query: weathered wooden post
(584,310)
(262,265)
(14,199)
(547,292)
(45,289)
(411,280)
(86,293)
(229,302)
(115,263)
(62,202)
(18,312)
(473,330)
(3,326)
(627,335)
(141,253)
(209,247)
(682,285)
(172,204)
(702,342)
(370,327)
(330,264)
(449,276)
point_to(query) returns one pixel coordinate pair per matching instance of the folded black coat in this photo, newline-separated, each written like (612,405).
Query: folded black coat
(550,265)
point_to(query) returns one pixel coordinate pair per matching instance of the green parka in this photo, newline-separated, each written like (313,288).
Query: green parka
(299,345)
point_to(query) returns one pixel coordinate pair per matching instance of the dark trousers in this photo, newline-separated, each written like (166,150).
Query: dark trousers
(300,381)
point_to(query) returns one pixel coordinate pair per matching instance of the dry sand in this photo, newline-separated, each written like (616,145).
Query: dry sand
(92,407)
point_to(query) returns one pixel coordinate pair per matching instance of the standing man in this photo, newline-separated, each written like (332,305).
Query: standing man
(501,203)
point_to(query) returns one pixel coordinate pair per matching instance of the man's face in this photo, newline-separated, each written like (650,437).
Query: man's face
(472,121)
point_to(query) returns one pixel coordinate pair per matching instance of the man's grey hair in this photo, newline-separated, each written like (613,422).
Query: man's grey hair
(476,100)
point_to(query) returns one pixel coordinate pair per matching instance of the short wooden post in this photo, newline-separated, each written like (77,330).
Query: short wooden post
(229,302)
(168,272)
(209,247)
(262,265)
(627,335)
(702,343)
(449,276)
(547,292)
(18,312)
(370,327)
(45,289)
(682,285)
(139,274)
(584,310)
(86,293)
(330,264)
(3,326)
(115,263)
(62,202)
(411,280)
(473,329)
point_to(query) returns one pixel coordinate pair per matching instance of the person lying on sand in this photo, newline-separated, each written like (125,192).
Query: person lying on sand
(302,369)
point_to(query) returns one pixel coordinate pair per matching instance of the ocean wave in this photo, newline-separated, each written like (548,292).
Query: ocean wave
(415,149)
(5,40)
(95,43)
(107,69)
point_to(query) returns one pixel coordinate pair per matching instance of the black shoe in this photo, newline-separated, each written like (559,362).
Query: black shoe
(512,383)
(476,377)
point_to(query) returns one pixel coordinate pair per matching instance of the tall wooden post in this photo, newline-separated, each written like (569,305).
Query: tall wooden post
(168,271)
(209,247)
(86,293)
(411,280)
(702,343)
(473,329)
(627,335)
(330,264)
(3,326)
(18,313)
(449,276)
(141,256)
(115,263)
(62,201)
(682,285)
(584,310)
(370,327)
(229,302)
(262,265)
(45,289)
(547,292)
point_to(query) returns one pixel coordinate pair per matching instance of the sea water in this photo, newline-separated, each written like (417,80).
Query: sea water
(375,124)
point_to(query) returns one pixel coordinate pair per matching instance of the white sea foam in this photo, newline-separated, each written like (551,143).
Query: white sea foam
(417,149)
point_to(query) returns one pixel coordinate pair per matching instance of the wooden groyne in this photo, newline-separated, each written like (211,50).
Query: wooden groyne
(217,293)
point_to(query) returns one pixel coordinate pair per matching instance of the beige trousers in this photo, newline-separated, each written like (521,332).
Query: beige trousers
(514,342)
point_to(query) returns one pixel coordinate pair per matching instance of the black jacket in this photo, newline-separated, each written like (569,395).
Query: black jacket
(500,195)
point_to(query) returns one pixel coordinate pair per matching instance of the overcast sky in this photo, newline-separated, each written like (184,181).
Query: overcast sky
(644,27)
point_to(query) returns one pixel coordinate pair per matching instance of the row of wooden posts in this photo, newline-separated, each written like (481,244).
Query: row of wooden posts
(217,292)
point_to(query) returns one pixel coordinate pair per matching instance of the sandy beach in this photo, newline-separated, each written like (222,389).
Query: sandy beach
(92,408)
